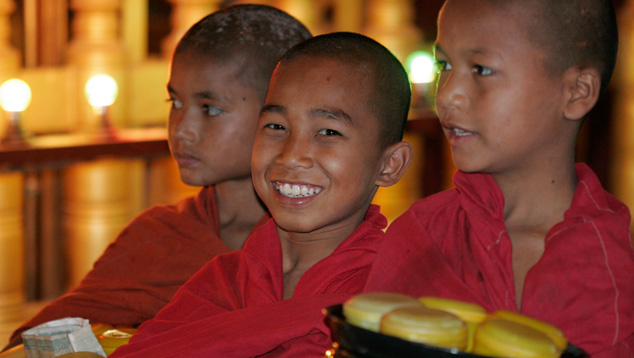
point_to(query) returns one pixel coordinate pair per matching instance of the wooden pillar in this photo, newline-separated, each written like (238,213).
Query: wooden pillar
(134,19)
(348,15)
(309,12)
(100,198)
(11,238)
(184,14)
(10,57)
(97,48)
(623,115)
(391,22)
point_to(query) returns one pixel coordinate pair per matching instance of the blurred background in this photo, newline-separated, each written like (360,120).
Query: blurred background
(77,164)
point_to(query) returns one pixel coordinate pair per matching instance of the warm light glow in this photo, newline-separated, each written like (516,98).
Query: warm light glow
(101,90)
(15,95)
(421,67)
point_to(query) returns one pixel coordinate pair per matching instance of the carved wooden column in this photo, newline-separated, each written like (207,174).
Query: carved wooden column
(348,15)
(134,29)
(10,57)
(11,238)
(623,115)
(11,184)
(184,14)
(307,11)
(97,48)
(391,22)
(100,198)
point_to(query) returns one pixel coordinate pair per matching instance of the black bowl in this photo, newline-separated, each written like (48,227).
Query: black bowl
(350,341)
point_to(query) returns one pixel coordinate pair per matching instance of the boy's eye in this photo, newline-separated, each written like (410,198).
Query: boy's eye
(329,132)
(176,104)
(274,126)
(482,71)
(442,65)
(211,110)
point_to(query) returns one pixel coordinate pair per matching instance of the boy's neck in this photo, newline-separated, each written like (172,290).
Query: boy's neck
(533,204)
(239,209)
(536,198)
(300,251)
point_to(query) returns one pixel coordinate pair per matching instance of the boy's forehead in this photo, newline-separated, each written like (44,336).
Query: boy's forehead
(484,26)
(322,83)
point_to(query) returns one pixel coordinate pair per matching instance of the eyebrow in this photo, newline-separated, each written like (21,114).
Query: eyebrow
(333,114)
(273,108)
(201,94)
(475,51)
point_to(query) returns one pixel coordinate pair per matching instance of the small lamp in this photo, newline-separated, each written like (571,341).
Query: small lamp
(15,97)
(101,91)
(422,74)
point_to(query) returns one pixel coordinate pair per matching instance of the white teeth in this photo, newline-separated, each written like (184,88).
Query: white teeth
(460,132)
(296,191)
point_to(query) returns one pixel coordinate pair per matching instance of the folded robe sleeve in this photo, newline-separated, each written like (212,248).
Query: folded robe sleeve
(234,305)
(455,245)
(140,271)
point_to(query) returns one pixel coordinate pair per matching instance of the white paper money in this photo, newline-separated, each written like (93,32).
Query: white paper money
(66,335)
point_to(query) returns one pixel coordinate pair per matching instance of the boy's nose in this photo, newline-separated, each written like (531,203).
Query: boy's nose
(184,126)
(295,153)
(450,93)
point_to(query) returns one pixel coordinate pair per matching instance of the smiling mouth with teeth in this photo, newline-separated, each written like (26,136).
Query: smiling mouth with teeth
(461,133)
(296,191)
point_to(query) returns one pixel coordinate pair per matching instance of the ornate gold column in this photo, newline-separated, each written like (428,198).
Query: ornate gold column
(623,117)
(184,14)
(306,11)
(391,23)
(11,238)
(100,198)
(134,29)
(10,57)
(97,48)
(348,15)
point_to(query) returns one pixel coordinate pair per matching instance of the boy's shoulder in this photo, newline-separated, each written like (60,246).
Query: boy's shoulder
(593,201)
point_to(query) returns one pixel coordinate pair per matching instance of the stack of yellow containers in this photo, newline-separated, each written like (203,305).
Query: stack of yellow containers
(455,324)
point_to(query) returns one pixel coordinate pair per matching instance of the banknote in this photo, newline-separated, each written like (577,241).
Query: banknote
(66,335)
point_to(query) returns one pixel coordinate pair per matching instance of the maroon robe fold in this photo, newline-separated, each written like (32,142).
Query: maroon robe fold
(140,271)
(455,245)
(234,306)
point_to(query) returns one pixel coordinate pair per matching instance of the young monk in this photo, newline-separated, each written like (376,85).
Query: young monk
(525,229)
(218,80)
(330,135)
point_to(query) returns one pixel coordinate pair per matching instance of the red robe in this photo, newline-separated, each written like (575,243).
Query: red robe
(140,271)
(455,245)
(234,306)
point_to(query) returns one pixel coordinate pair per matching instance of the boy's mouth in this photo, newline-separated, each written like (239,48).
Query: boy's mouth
(460,133)
(296,190)
(454,130)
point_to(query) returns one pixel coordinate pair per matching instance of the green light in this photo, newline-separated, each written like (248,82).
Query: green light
(421,67)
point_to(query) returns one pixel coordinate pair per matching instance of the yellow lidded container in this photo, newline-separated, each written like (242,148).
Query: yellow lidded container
(551,331)
(426,325)
(114,338)
(504,338)
(470,313)
(99,328)
(366,310)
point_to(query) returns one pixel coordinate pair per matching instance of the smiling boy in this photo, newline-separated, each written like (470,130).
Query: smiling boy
(218,79)
(525,229)
(330,136)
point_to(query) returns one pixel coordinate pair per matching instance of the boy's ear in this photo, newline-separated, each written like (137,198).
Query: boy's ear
(583,86)
(396,160)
